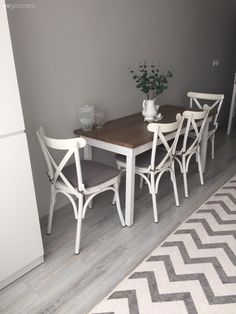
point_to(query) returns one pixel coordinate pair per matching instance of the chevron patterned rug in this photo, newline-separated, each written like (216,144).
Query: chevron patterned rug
(192,271)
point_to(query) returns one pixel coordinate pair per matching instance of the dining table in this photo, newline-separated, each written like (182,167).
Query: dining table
(129,136)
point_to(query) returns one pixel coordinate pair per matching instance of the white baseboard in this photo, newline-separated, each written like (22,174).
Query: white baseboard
(21,272)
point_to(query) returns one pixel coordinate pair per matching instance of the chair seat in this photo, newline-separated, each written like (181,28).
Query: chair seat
(144,160)
(93,173)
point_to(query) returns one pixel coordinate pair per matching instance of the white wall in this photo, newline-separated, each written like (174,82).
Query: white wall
(78,51)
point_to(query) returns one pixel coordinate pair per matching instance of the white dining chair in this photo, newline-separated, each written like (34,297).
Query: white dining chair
(189,145)
(214,101)
(152,164)
(76,180)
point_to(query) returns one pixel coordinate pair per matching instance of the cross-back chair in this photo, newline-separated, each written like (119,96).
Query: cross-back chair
(188,146)
(152,164)
(214,101)
(76,180)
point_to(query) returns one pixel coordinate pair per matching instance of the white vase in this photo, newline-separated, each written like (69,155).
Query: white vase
(150,110)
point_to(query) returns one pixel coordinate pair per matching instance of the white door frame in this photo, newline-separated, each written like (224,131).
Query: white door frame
(232,107)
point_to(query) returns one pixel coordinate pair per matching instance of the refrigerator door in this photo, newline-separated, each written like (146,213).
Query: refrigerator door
(21,246)
(11,118)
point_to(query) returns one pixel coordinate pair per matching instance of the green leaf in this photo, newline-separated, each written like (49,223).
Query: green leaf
(150,80)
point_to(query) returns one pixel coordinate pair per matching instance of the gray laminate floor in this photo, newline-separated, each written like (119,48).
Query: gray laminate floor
(67,283)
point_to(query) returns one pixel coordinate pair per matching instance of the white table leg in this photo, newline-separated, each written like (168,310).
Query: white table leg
(129,195)
(204,146)
(88,152)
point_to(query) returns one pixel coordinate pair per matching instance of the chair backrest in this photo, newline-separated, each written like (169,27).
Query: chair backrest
(193,119)
(216,101)
(159,130)
(71,148)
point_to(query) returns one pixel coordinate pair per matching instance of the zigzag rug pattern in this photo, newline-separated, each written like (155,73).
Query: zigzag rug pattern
(192,271)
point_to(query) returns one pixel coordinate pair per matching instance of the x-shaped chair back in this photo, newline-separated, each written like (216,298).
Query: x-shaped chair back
(55,170)
(193,118)
(159,130)
(216,103)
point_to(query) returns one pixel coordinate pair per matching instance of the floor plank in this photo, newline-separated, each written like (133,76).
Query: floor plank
(66,283)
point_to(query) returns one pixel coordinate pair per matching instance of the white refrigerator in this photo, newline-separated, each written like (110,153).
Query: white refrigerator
(21,247)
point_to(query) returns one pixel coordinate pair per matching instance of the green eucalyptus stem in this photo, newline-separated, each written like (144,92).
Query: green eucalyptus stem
(150,80)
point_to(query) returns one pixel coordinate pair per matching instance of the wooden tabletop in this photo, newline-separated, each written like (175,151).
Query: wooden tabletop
(130,131)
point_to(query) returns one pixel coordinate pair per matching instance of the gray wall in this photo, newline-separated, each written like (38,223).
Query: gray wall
(73,52)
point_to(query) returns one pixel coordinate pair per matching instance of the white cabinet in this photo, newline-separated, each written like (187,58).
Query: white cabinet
(21,247)
(20,235)
(11,118)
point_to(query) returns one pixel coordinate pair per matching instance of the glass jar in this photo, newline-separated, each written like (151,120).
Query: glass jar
(86,117)
(99,119)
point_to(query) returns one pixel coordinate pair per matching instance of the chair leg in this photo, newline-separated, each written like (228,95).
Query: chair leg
(79,224)
(141,183)
(173,179)
(200,168)
(117,200)
(154,201)
(142,180)
(119,179)
(114,200)
(185,176)
(90,205)
(213,146)
(50,215)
